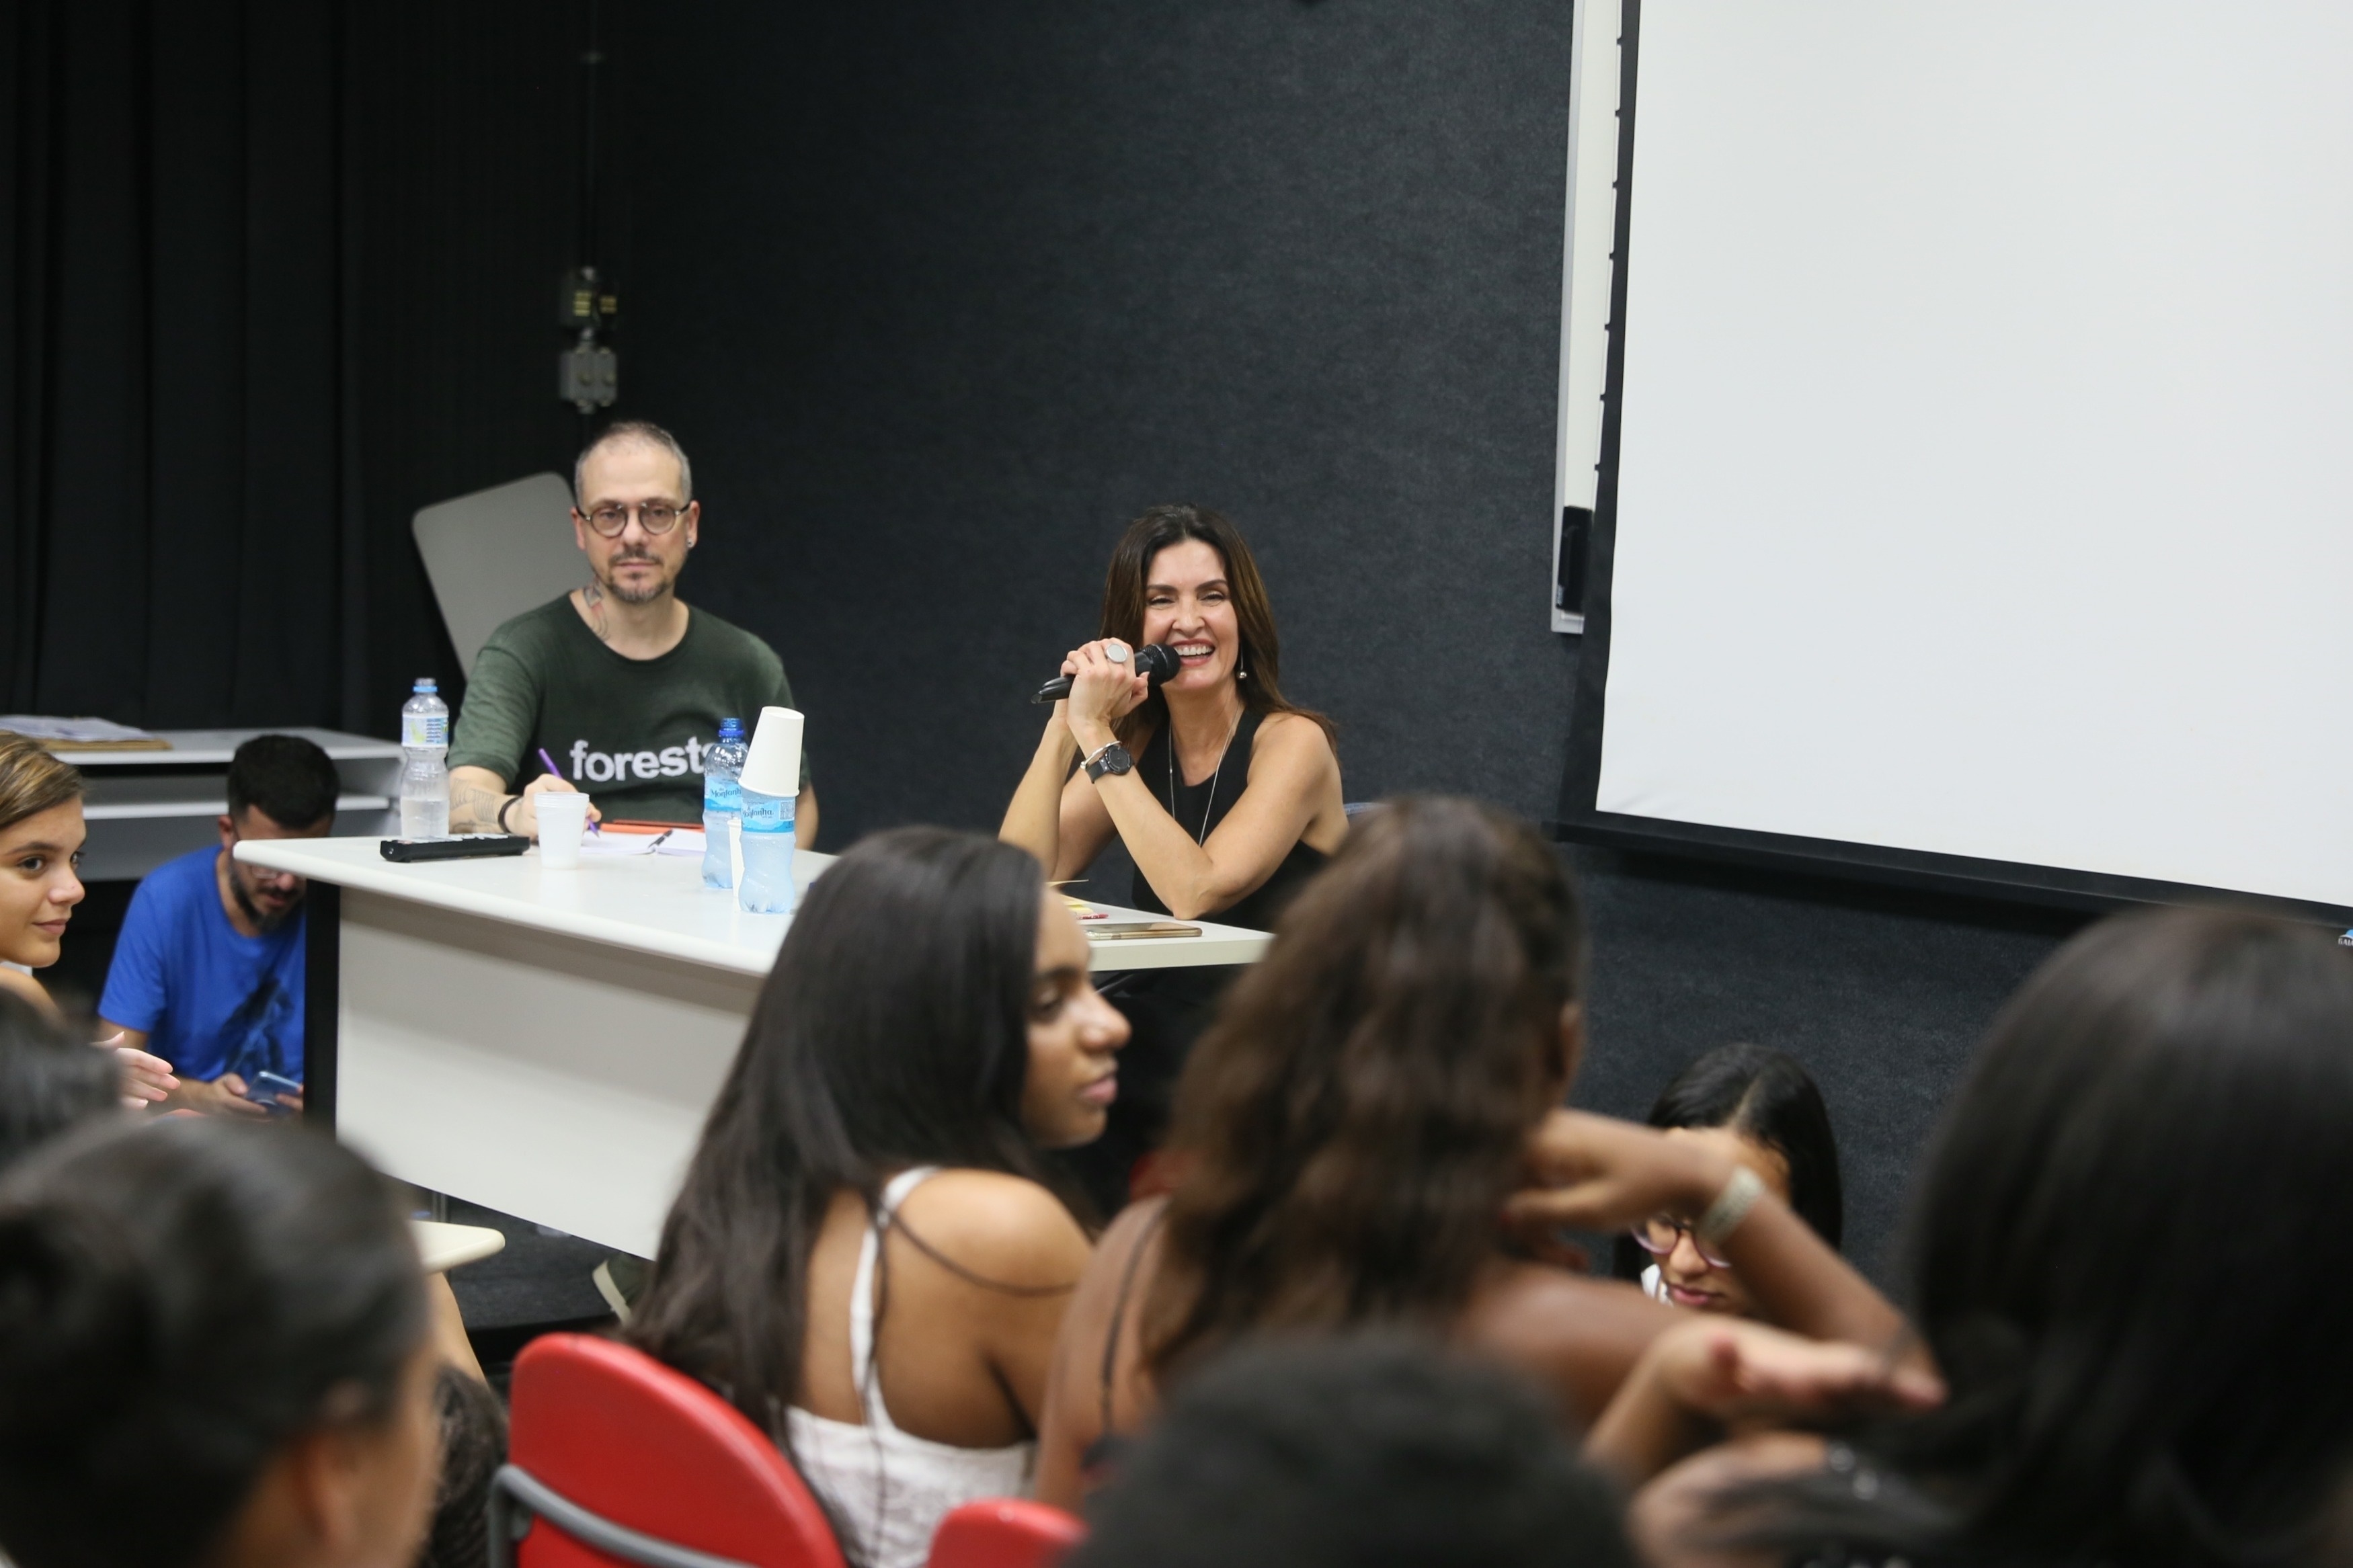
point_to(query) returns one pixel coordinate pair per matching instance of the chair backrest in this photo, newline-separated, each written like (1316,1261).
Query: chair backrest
(1003,1533)
(496,554)
(615,1433)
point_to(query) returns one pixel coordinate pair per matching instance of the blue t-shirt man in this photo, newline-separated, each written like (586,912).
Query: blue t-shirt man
(210,999)
(207,972)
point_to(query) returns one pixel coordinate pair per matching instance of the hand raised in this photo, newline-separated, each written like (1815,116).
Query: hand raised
(1729,1370)
(1598,1174)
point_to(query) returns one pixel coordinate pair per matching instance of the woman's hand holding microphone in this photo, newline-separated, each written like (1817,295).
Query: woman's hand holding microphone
(1104,689)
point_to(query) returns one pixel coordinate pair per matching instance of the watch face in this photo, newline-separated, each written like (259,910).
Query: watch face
(1114,759)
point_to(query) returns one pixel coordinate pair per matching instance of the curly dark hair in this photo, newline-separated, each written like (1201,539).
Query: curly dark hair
(1354,1117)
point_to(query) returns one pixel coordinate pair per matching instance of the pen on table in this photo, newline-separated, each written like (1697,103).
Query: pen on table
(549,763)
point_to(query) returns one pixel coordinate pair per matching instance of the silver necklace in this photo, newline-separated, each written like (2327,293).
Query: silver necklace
(1175,765)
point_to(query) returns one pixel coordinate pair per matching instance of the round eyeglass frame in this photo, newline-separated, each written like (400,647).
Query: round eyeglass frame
(643,511)
(1675,1230)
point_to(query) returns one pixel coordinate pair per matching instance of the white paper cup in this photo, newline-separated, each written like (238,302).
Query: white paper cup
(563,818)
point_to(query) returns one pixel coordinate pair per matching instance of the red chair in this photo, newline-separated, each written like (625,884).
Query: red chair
(1003,1533)
(615,1460)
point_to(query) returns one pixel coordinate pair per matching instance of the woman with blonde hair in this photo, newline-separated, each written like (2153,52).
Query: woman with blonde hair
(41,833)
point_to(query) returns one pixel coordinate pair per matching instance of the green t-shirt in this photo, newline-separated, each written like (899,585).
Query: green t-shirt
(629,731)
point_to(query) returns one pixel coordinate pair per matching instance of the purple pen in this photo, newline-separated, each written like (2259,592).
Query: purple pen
(549,763)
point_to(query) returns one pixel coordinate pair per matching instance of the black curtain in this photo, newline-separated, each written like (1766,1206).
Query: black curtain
(179,462)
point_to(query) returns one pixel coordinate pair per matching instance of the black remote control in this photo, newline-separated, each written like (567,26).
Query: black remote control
(463,846)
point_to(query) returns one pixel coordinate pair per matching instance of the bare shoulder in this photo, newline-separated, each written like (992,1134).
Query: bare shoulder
(1292,735)
(1006,1229)
(1580,1335)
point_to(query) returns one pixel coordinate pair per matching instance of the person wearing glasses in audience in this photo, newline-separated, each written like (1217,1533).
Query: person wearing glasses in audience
(1760,1109)
(1225,794)
(617,682)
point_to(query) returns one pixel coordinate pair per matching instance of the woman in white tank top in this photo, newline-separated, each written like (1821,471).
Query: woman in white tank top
(869,1256)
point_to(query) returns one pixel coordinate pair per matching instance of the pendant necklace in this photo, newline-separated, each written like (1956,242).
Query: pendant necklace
(1174,766)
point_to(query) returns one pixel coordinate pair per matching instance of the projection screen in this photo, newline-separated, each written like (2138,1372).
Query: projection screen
(1976,498)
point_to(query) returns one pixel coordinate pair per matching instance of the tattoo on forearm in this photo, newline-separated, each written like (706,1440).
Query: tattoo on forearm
(474,809)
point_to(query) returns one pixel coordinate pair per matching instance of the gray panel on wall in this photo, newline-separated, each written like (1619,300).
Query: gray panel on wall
(496,554)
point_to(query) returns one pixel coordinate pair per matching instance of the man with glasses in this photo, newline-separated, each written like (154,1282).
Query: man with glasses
(207,972)
(618,683)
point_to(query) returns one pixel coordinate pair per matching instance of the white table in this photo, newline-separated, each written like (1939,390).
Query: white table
(146,808)
(548,1042)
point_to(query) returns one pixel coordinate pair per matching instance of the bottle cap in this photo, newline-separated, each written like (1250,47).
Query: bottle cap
(730,728)
(425,683)
(774,766)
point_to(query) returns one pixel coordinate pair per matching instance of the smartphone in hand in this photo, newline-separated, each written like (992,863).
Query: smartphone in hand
(266,1087)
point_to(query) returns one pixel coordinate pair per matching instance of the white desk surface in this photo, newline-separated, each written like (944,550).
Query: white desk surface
(655,903)
(217,746)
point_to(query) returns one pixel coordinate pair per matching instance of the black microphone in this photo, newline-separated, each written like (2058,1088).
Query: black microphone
(1155,664)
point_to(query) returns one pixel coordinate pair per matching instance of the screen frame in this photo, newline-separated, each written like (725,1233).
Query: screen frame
(1580,823)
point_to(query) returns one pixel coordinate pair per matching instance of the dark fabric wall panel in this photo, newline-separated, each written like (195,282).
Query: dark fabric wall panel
(940,295)
(463,122)
(175,361)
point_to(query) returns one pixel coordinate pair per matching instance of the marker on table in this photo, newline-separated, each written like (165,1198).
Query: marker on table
(549,763)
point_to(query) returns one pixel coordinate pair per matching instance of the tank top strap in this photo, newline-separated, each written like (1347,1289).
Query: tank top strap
(862,1295)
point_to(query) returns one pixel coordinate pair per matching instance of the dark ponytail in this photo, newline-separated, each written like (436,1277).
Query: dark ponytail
(178,1301)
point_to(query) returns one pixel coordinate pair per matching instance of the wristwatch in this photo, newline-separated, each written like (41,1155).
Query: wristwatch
(1112,759)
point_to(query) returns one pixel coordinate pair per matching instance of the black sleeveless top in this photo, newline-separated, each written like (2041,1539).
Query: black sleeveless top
(1199,808)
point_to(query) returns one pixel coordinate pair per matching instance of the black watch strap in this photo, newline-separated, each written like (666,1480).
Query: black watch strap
(1112,759)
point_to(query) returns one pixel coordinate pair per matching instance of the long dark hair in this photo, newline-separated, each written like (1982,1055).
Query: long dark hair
(1260,656)
(178,1301)
(1767,1098)
(2156,1127)
(1357,1114)
(892,1032)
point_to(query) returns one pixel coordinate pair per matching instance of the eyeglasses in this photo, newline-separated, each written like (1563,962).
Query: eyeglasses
(656,517)
(1658,1235)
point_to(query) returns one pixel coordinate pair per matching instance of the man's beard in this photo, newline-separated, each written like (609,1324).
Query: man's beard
(645,596)
(253,913)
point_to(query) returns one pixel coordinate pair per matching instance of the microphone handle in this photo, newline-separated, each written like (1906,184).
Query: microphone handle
(1156,663)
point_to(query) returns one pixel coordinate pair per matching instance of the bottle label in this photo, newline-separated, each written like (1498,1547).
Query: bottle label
(419,730)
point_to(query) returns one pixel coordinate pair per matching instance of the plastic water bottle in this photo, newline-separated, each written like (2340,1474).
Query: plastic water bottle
(723,803)
(424,779)
(767,886)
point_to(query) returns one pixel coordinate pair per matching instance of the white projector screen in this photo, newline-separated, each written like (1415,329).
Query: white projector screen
(1977,489)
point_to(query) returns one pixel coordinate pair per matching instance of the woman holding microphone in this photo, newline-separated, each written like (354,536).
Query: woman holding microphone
(1225,794)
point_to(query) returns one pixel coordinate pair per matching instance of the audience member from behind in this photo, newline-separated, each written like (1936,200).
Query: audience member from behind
(869,1258)
(208,972)
(1759,1110)
(617,682)
(213,1350)
(2157,1120)
(1352,1127)
(48,1083)
(1348,1453)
